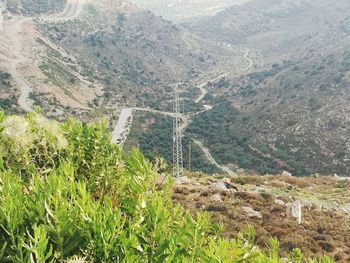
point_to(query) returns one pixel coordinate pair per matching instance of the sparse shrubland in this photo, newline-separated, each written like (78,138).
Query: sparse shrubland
(8,100)
(32,7)
(325,212)
(67,193)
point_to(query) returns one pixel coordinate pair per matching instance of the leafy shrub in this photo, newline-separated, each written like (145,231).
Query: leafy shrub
(66,193)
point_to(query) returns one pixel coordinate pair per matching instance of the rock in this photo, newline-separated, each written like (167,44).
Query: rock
(182,180)
(290,187)
(260,189)
(216,198)
(231,186)
(316,175)
(250,212)
(294,210)
(221,186)
(280,202)
(285,173)
(226,180)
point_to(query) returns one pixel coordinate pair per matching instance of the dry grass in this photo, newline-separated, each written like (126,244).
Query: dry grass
(322,232)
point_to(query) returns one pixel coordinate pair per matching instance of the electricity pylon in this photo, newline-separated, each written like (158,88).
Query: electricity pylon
(177,136)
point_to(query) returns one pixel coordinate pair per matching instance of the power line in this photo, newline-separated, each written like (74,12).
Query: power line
(177,135)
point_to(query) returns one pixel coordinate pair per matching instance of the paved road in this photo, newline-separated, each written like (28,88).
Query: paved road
(123,126)
(201,97)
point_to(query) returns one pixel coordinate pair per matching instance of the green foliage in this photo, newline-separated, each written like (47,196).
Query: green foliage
(5,78)
(228,143)
(66,192)
(154,141)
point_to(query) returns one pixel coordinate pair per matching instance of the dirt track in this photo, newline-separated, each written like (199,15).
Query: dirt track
(72,10)
(17,55)
(202,86)
(19,47)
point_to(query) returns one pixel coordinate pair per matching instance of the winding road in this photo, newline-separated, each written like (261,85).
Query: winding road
(18,59)
(123,126)
(1,21)
(203,85)
(201,97)
(72,10)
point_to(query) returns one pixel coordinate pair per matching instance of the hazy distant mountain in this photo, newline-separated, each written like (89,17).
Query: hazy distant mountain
(279,27)
(180,10)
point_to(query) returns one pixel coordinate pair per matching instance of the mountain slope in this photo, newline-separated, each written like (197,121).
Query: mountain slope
(293,111)
(94,56)
(35,7)
(124,47)
(280,27)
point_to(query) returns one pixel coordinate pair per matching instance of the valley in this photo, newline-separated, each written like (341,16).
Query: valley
(282,91)
(87,114)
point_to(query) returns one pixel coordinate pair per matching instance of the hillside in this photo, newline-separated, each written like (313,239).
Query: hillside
(67,194)
(129,45)
(180,11)
(280,28)
(267,202)
(291,111)
(35,7)
(91,57)
(265,82)
(8,93)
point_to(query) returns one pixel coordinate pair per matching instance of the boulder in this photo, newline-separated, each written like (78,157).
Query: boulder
(250,212)
(182,180)
(295,210)
(280,202)
(285,173)
(216,198)
(220,186)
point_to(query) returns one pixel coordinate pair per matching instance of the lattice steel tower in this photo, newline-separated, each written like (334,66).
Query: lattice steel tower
(177,136)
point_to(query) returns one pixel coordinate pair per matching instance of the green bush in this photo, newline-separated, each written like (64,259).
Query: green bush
(66,192)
